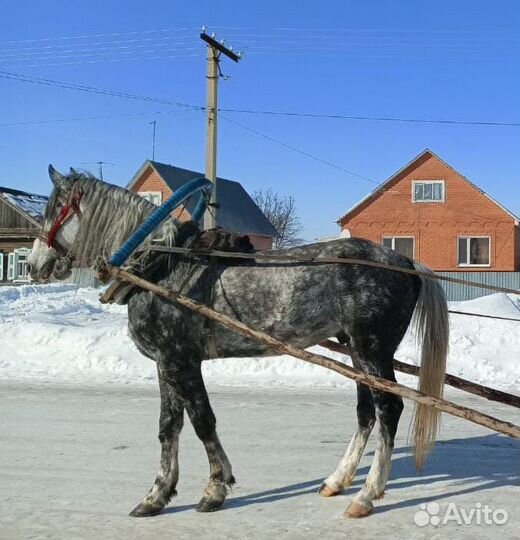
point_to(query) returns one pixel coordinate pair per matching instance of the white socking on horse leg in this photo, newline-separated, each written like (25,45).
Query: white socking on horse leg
(346,470)
(167,475)
(375,482)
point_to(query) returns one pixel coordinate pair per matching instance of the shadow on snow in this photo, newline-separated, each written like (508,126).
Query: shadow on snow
(473,464)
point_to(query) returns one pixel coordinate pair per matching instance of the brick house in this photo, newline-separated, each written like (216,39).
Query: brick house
(430,212)
(237,211)
(21,214)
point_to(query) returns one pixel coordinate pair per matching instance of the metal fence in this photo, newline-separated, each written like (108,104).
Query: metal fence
(458,292)
(83,277)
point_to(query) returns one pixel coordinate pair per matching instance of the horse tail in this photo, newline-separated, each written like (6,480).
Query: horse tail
(432,326)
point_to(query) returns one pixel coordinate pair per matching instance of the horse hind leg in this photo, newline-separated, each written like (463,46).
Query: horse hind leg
(344,474)
(170,426)
(388,411)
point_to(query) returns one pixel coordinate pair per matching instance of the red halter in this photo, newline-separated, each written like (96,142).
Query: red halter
(71,208)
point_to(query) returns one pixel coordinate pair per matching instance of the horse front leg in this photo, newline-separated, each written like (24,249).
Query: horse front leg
(203,420)
(170,425)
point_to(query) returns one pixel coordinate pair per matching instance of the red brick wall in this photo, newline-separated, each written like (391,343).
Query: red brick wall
(151,181)
(517,244)
(436,226)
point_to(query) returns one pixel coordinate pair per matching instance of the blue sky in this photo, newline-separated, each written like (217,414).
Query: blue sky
(410,59)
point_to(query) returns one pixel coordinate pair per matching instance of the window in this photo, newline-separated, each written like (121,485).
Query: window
(17,265)
(428,191)
(405,245)
(154,197)
(10,267)
(474,251)
(1,266)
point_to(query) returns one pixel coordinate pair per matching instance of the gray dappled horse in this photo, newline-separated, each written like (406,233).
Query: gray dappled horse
(299,303)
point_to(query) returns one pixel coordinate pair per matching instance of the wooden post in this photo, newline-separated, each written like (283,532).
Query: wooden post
(507,428)
(451,380)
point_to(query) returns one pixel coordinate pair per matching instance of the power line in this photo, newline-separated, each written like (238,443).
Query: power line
(298,150)
(372,118)
(85,118)
(423,31)
(104,60)
(125,95)
(61,38)
(93,89)
(94,43)
(95,50)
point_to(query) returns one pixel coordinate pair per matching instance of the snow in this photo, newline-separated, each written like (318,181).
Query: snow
(74,460)
(61,333)
(32,204)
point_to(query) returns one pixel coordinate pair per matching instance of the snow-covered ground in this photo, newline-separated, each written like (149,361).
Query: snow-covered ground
(75,460)
(61,333)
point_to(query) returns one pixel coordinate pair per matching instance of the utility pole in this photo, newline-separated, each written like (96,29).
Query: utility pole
(153,139)
(214,50)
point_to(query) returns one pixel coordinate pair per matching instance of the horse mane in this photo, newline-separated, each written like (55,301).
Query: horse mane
(110,215)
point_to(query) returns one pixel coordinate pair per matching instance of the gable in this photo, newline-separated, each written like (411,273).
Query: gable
(463,200)
(237,211)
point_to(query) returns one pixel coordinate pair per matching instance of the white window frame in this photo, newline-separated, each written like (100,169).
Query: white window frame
(1,267)
(393,237)
(468,238)
(421,201)
(17,277)
(10,266)
(155,197)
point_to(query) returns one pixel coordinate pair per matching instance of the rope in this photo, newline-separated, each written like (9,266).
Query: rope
(328,260)
(484,316)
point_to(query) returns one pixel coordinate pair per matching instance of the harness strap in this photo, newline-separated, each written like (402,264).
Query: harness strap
(71,208)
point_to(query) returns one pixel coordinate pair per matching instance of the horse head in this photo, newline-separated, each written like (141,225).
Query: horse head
(51,253)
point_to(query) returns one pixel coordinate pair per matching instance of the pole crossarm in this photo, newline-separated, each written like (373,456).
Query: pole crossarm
(212,42)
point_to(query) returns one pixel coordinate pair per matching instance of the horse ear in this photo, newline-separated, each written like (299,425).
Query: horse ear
(55,176)
(73,172)
(59,180)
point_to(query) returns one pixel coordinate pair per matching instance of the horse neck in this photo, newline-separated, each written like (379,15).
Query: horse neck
(110,216)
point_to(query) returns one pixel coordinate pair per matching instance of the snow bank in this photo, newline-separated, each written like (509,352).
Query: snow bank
(61,333)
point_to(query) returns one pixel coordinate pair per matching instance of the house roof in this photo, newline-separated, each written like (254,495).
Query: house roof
(427,152)
(30,205)
(237,211)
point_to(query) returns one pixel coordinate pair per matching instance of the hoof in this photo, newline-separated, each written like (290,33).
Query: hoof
(380,496)
(326,491)
(146,510)
(209,505)
(358,510)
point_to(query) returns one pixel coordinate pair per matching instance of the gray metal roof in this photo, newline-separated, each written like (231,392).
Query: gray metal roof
(237,212)
(30,204)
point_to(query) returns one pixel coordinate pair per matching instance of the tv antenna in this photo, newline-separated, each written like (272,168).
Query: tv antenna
(100,165)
